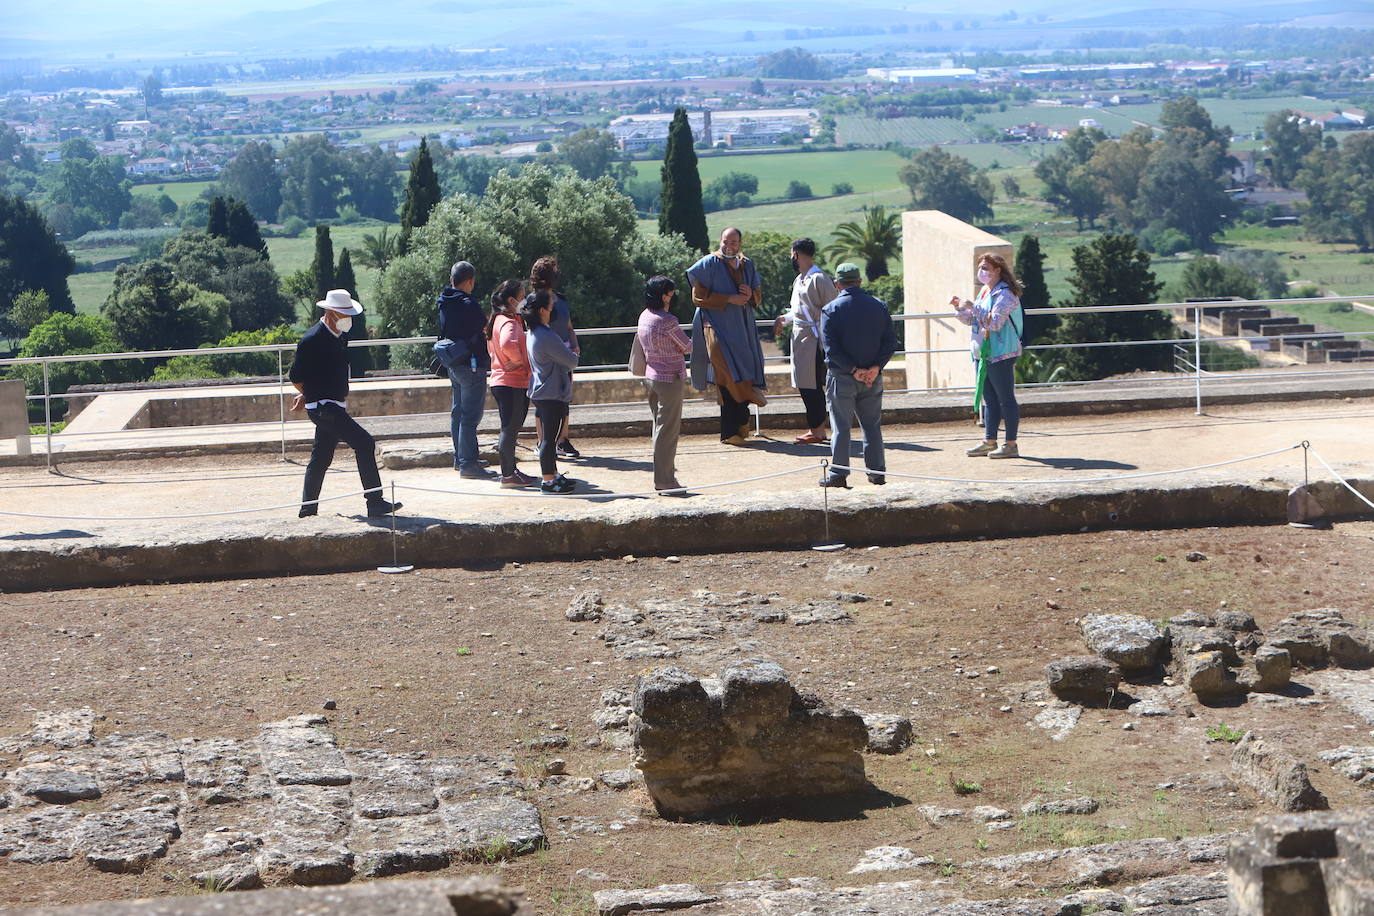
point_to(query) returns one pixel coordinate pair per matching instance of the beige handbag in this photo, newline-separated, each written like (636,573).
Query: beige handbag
(639,365)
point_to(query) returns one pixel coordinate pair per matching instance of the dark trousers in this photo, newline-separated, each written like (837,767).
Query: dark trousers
(999,399)
(551,415)
(813,399)
(514,406)
(332,426)
(733,414)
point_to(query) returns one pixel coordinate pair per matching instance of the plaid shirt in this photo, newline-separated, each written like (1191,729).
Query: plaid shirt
(664,345)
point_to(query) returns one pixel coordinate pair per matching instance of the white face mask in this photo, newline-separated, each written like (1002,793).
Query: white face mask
(343,324)
(984,276)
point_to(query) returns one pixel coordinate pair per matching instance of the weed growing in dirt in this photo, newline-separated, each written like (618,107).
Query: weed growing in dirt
(1223,732)
(964,786)
(1161,558)
(462,650)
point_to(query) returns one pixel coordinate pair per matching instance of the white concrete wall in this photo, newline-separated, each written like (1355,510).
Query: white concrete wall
(939,259)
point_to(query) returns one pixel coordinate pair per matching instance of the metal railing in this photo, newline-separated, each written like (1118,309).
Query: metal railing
(1191,362)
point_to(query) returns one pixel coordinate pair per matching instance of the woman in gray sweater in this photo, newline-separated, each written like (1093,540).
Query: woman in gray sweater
(551,365)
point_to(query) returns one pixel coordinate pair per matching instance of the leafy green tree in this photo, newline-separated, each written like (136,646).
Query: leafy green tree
(589,225)
(242,229)
(793,64)
(322,267)
(218,224)
(79,148)
(1116,166)
(1070,186)
(1288,141)
(152,310)
(98,185)
(467,174)
(238,273)
(1357,169)
(253,177)
(31,258)
(1179,190)
(228,365)
(372,183)
(941,181)
(1206,278)
(798,190)
(31,308)
(65,334)
(1187,113)
(589,152)
(771,253)
(731,190)
(143,213)
(1030,270)
(682,211)
(1111,270)
(359,358)
(314,175)
(422,193)
(152,90)
(874,241)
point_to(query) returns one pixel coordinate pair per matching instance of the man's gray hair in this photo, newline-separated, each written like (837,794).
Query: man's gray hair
(461,272)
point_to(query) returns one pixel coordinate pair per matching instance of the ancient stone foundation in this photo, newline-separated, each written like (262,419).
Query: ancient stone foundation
(1316,864)
(746,738)
(469,896)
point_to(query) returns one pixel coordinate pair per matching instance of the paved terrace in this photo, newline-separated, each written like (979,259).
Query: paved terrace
(1076,472)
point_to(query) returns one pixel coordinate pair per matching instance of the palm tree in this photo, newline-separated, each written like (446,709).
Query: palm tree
(379,250)
(879,238)
(1034,368)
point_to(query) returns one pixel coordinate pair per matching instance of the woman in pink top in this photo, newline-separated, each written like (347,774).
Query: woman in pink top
(665,347)
(510,376)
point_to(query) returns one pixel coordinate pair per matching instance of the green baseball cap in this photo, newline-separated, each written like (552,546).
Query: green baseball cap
(847,271)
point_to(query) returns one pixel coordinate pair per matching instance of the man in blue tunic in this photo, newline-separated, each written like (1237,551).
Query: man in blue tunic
(725,341)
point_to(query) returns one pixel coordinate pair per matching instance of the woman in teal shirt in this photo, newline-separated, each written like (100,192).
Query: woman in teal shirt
(996,319)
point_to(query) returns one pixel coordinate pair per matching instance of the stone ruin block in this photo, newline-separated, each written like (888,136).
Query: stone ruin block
(1083,679)
(1129,640)
(1313,864)
(1322,637)
(1275,774)
(745,738)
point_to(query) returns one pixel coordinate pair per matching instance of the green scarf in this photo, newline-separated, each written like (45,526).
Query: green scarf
(984,356)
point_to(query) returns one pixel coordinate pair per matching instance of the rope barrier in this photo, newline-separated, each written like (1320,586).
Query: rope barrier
(635,495)
(1040,480)
(1343,482)
(161,518)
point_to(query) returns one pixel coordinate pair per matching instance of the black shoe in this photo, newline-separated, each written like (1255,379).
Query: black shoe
(836,480)
(559,484)
(308,511)
(567,450)
(476,472)
(380,508)
(877,479)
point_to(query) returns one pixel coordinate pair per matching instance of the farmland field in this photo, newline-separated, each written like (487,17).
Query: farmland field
(182,192)
(866,170)
(910,131)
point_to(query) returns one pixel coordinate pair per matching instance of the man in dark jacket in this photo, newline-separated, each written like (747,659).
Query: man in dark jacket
(462,348)
(320,376)
(858,337)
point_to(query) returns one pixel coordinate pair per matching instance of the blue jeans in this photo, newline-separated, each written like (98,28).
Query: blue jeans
(469,397)
(999,400)
(847,398)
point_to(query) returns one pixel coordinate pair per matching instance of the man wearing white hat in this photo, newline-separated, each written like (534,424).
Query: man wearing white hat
(320,375)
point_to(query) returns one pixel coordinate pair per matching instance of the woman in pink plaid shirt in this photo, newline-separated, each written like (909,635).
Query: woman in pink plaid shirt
(665,377)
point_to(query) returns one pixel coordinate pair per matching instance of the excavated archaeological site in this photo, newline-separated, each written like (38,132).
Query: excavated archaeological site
(1147,722)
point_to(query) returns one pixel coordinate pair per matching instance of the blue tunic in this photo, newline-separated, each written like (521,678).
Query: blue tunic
(733,325)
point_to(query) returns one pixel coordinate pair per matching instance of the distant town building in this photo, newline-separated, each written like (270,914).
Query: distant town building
(756,127)
(157,165)
(923,75)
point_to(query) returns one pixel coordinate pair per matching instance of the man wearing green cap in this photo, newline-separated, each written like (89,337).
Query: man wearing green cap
(858,338)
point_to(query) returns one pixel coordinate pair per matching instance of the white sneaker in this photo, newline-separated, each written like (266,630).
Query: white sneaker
(1008,450)
(981,449)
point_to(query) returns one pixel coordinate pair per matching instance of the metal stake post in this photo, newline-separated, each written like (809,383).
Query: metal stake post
(395,566)
(827,544)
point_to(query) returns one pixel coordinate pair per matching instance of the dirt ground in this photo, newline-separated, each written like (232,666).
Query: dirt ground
(479,659)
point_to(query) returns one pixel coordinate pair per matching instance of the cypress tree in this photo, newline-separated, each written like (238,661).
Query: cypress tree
(682,210)
(422,193)
(322,268)
(218,226)
(359,358)
(1030,270)
(243,229)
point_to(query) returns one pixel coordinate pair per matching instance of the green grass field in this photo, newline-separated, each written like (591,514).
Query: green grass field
(909,131)
(181,192)
(866,170)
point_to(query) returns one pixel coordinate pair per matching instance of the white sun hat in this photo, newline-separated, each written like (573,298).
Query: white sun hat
(338,300)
